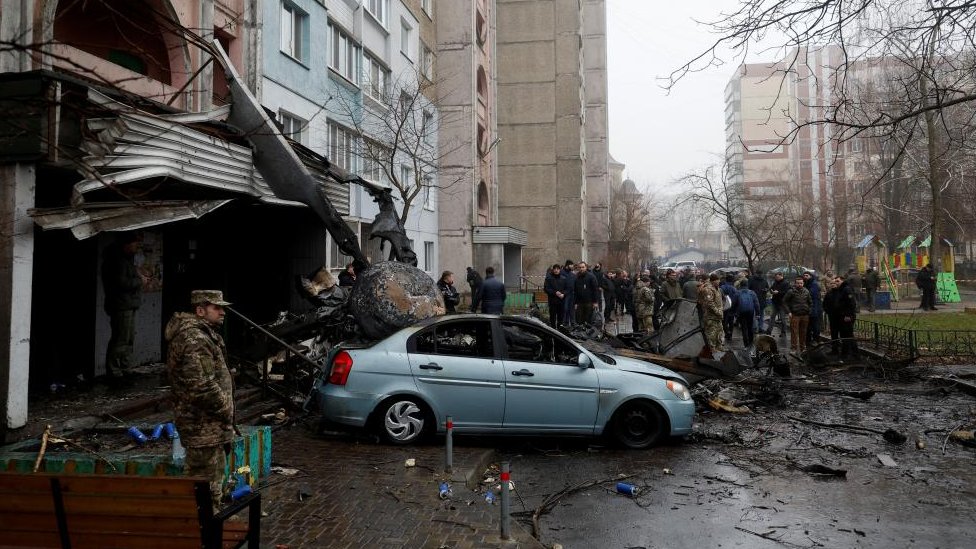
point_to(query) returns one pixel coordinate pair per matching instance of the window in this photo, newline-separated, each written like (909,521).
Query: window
(337,259)
(426,62)
(342,146)
(374,158)
(427,130)
(856,145)
(294,25)
(378,9)
(406,32)
(465,338)
(292,126)
(376,78)
(533,344)
(406,175)
(345,54)
(428,256)
(428,192)
(428,6)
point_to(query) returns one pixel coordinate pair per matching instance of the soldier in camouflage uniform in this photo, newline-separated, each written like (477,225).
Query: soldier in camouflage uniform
(644,304)
(710,301)
(203,393)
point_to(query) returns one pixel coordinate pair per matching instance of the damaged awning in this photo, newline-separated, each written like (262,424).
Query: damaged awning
(141,169)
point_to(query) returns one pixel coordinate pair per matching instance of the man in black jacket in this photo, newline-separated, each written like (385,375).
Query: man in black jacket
(474,282)
(758,284)
(926,282)
(587,294)
(840,304)
(780,314)
(609,287)
(492,295)
(555,288)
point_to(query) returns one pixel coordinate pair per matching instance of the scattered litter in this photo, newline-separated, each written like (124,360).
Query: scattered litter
(894,437)
(966,438)
(511,487)
(445,491)
(490,497)
(410,462)
(920,444)
(667,471)
(723,405)
(304,492)
(627,489)
(287,471)
(887,460)
(823,470)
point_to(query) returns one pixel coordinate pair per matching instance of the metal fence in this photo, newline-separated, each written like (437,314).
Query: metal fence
(908,344)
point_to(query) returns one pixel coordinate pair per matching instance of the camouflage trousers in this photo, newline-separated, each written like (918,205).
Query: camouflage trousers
(647,323)
(118,355)
(714,332)
(208,462)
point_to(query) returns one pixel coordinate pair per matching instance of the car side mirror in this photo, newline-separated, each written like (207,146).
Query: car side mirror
(584,361)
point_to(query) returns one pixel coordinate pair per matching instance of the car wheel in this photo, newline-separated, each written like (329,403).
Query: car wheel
(403,420)
(639,425)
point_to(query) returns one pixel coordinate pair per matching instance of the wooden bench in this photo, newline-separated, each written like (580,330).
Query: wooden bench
(103,511)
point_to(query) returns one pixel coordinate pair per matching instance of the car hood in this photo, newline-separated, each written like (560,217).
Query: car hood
(647,368)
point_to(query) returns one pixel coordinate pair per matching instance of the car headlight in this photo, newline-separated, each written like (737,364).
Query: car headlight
(679,390)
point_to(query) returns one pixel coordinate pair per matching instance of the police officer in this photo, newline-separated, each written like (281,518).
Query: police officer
(203,393)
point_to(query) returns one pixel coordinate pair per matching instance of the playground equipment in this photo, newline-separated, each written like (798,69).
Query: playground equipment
(873,251)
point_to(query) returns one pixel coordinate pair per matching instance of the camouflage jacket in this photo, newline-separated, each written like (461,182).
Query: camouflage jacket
(710,299)
(203,392)
(644,300)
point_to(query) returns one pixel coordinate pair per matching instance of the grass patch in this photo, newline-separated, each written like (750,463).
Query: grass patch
(919,320)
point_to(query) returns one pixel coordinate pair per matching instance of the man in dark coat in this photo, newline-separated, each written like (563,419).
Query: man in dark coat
(779,314)
(926,282)
(474,282)
(449,292)
(729,315)
(609,287)
(347,278)
(587,294)
(122,283)
(492,295)
(569,302)
(759,285)
(555,288)
(871,284)
(840,304)
(816,309)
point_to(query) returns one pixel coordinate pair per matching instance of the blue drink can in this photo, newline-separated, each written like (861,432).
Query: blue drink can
(138,435)
(157,432)
(170,430)
(445,490)
(627,489)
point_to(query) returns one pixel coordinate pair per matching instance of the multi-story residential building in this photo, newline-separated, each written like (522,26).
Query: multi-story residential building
(773,150)
(550,182)
(526,137)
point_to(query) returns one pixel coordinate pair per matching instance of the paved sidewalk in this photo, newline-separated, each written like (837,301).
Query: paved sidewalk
(360,494)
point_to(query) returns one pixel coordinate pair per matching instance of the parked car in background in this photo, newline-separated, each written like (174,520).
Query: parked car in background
(501,375)
(681,266)
(791,271)
(722,271)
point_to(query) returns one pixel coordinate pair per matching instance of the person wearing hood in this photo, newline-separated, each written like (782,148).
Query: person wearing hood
(816,309)
(203,391)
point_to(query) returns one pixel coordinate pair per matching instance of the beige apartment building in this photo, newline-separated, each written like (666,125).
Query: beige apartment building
(524,124)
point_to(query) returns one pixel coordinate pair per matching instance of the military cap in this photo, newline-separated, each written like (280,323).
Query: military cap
(202,297)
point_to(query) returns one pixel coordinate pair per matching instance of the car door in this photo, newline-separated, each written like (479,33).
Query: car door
(455,365)
(545,389)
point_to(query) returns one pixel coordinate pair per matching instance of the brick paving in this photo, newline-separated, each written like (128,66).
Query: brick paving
(362,495)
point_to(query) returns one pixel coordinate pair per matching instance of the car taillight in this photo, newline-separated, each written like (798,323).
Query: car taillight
(341,366)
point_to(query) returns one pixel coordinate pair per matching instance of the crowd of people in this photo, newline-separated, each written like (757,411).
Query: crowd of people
(583,294)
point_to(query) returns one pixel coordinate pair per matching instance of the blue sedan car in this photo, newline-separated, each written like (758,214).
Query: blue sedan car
(501,375)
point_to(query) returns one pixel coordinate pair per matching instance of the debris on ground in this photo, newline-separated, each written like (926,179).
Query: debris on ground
(887,460)
(966,438)
(819,469)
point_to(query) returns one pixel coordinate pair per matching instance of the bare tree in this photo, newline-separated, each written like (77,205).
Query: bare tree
(754,224)
(630,225)
(930,42)
(397,134)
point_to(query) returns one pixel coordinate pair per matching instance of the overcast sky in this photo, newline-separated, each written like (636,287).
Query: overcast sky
(662,136)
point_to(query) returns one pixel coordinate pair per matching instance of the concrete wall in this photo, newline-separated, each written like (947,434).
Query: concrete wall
(596,130)
(541,165)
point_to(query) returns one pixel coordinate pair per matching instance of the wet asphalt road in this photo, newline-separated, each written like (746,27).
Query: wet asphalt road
(716,499)
(739,483)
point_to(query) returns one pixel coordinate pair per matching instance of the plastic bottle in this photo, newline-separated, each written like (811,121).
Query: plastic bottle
(179,452)
(445,490)
(490,497)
